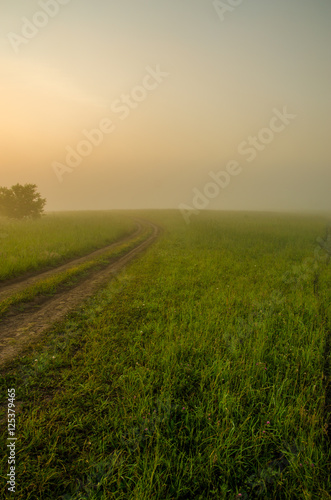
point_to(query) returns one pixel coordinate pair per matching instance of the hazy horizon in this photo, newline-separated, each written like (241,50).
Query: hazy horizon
(158,104)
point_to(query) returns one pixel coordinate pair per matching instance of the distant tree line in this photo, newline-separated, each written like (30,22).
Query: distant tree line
(21,201)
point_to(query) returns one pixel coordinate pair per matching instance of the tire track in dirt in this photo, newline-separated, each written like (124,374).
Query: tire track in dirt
(18,284)
(17,332)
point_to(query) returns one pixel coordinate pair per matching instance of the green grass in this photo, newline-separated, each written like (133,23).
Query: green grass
(52,284)
(200,373)
(53,239)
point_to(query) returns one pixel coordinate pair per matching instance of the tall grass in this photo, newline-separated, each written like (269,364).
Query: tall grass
(66,279)
(199,374)
(34,244)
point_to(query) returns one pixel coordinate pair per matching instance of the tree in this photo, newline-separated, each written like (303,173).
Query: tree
(21,201)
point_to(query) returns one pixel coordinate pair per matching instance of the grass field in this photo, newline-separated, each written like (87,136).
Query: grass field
(65,279)
(34,244)
(199,373)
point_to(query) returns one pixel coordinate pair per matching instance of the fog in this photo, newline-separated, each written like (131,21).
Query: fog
(167,104)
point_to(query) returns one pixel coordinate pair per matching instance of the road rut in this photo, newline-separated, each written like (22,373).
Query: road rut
(17,332)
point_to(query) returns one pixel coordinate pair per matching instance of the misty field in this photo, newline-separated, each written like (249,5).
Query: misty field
(34,244)
(198,373)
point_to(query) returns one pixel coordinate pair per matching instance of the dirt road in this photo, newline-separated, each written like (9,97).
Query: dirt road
(19,331)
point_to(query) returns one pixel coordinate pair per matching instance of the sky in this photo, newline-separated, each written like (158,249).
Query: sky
(185,104)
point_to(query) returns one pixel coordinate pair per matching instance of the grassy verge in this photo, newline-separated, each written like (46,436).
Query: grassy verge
(66,279)
(33,245)
(200,373)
